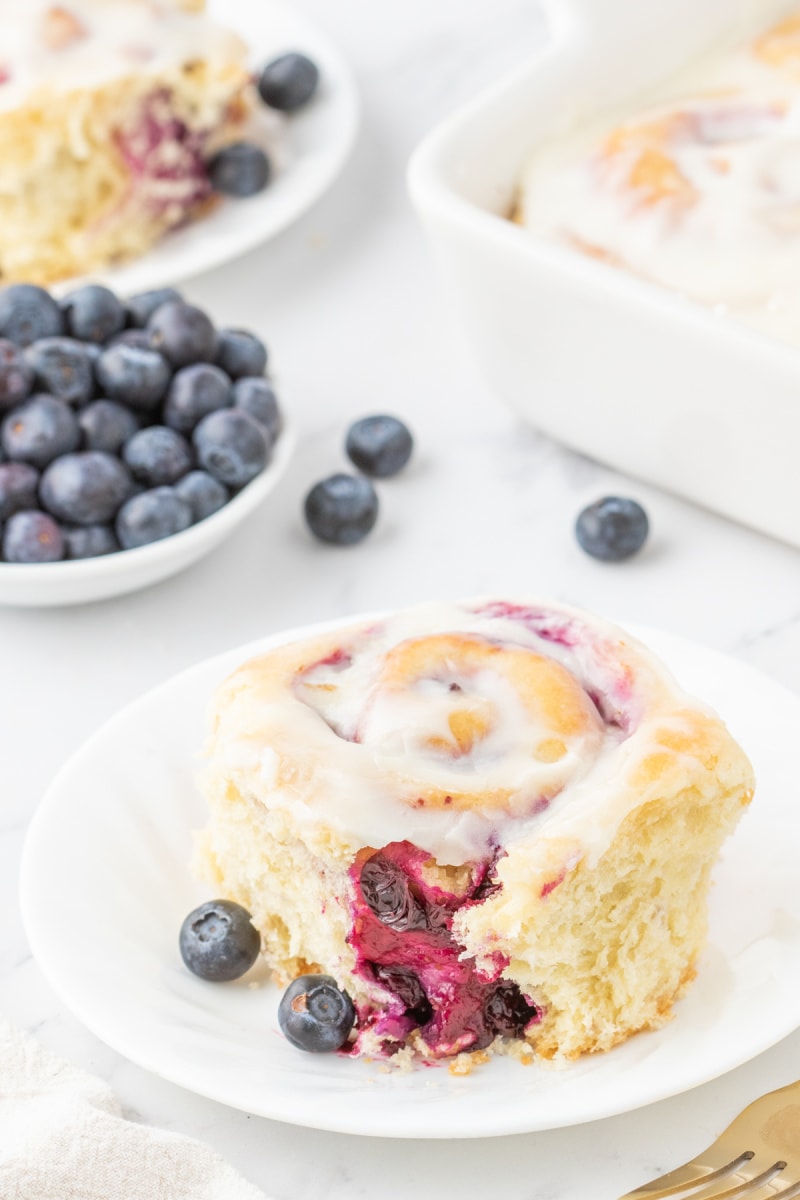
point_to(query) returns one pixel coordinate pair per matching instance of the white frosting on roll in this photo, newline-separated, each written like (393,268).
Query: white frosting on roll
(698,190)
(460,728)
(83,44)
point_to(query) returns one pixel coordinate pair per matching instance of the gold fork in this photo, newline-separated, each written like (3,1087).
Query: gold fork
(756,1158)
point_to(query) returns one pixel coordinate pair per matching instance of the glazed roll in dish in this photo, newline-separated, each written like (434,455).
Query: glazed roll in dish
(109,111)
(492,823)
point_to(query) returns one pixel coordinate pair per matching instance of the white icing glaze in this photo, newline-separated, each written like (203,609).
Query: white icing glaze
(342,744)
(83,44)
(726,231)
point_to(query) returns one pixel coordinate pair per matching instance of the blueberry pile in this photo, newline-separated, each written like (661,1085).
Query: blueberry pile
(122,423)
(342,509)
(286,84)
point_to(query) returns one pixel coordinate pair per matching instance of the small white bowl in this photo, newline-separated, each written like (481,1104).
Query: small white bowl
(41,585)
(622,370)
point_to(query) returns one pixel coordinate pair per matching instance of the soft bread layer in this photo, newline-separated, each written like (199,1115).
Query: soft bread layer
(70,202)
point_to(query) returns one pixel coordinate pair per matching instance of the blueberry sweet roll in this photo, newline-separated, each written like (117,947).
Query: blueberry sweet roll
(492,823)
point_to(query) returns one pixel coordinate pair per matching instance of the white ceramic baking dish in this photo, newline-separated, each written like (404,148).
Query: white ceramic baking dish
(635,376)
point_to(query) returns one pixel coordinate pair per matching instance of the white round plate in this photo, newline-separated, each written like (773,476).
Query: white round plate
(105,887)
(47,585)
(313,148)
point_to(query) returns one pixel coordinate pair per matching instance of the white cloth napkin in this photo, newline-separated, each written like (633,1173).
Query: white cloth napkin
(63,1137)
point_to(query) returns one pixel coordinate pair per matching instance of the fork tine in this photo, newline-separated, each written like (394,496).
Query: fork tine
(741,1177)
(713,1165)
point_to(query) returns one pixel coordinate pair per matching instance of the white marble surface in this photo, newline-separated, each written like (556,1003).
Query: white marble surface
(351,308)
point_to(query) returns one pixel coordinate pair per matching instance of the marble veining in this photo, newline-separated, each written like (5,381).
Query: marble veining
(349,304)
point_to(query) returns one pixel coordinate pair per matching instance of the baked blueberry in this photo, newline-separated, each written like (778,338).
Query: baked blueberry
(241,169)
(406,985)
(218,941)
(379,446)
(231,446)
(86,488)
(19,484)
(32,537)
(203,493)
(241,353)
(183,334)
(612,529)
(89,541)
(93,313)
(39,430)
(195,391)
(341,509)
(391,895)
(133,376)
(288,82)
(507,1012)
(62,367)
(315,1015)
(28,312)
(106,424)
(151,516)
(257,398)
(157,455)
(141,307)
(16,377)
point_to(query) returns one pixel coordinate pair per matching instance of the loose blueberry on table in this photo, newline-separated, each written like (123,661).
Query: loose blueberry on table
(612,529)
(379,446)
(341,509)
(218,941)
(122,422)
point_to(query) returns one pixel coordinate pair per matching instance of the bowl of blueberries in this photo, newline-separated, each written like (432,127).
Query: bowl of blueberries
(134,437)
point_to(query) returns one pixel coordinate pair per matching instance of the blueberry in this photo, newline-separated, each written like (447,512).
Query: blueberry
(19,483)
(136,377)
(315,1015)
(218,941)
(195,391)
(241,169)
(183,334)
(16,377)
(231,446)
(241,353)
(341,509)
(142,306)
(93,313)
(32,537)
(391,895)
(157,455)
(257,398)
(507,1012)
(151,516)
(379,446)
(288,82)
(86,488)
(39,430)
(105,425)
(28,312)
(203,493)
(612,529)
(131,337)
(89,541)
(62,367)
(406,985)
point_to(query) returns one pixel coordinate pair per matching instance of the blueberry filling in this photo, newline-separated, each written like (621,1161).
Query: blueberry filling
(403,937)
